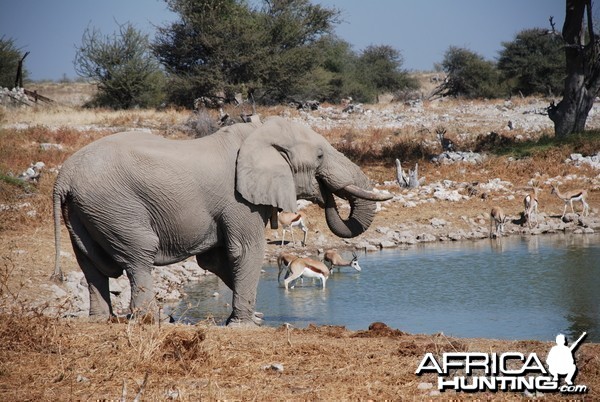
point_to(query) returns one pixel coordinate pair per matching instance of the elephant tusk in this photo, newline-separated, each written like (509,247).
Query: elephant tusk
(365,194)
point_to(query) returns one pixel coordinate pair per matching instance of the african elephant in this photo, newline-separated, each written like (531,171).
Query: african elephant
(134,200)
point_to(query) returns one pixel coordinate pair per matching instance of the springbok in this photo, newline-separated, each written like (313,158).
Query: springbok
(498,218)
(569,196)
(531,205)
(335,260)
(289,220)
(302,267)
(447,143)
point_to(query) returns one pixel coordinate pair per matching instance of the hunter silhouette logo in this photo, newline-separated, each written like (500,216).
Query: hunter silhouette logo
(560,359)
(509,371)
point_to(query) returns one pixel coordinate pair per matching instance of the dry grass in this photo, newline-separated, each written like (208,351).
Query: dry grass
(92,119)
(65,94)
(46,359)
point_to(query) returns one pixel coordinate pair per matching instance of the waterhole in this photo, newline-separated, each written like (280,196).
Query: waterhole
(511,288)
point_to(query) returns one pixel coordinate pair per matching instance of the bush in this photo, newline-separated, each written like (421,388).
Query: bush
(379,69)
(469,75)
(126,73)
(200,124)
(534,63)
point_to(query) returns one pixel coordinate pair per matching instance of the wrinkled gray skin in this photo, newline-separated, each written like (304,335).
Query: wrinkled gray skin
(133,200)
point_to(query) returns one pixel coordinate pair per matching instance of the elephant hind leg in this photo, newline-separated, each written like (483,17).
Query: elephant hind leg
(100,305)
(83,241)
(95,264)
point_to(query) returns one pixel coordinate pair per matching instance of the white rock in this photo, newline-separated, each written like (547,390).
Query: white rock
(437,222)
(278,367)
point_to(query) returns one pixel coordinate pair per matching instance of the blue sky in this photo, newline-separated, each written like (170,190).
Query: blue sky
(422,30)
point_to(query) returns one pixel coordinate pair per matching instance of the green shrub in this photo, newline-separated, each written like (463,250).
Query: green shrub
(533,63)
(127,74)
(470,75)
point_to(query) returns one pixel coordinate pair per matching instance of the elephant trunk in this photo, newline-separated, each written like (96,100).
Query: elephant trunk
(362,212)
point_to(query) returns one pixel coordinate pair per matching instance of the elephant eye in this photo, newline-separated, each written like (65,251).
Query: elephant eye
(320,154)
(284,153)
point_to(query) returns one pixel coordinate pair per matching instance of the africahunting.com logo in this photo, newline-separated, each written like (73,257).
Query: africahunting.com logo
(510,371)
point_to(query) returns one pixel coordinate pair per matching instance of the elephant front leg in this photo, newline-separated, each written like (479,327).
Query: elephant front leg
(217,261)
(143,302)
(246,264)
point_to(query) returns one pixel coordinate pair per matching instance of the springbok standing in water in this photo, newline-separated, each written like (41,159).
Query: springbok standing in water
(289,220)
(301,267)
(336,260)
(569,196)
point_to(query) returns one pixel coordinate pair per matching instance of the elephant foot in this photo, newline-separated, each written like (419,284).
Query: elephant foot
(255,320)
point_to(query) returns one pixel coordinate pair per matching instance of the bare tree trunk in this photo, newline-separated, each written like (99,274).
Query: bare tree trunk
(583,73)
(413,177)
(400,175)
(407,181)
(19,77)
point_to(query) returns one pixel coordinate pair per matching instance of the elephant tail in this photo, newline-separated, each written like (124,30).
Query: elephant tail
(58,198)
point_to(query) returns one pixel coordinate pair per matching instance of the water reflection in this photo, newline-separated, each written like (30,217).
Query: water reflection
(509,288)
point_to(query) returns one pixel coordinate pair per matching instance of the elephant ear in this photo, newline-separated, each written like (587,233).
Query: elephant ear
(263,175)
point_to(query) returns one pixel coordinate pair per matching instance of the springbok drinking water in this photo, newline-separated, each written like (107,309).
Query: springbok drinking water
(301,267)
(497,218)
(336,260)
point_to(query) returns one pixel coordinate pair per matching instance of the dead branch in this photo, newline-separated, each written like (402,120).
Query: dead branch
(410,180)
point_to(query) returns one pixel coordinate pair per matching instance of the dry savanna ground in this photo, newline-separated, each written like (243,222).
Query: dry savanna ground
(46,357)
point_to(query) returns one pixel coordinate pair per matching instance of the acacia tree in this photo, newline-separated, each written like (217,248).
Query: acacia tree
(468,75)
(227,46)
(582,67)
(533,63)
(209,50)
(328,81)
(294,29)
(379,68)
(126,72)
